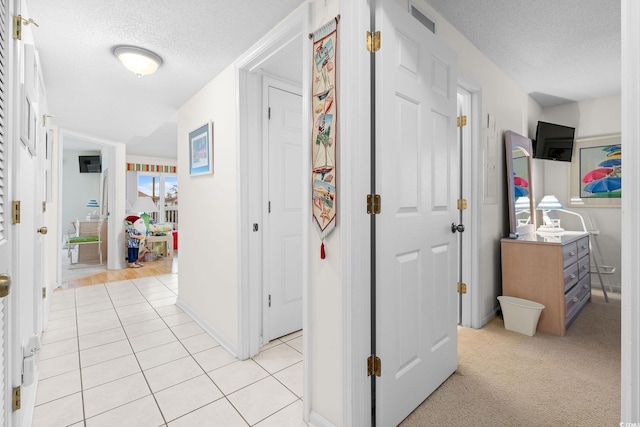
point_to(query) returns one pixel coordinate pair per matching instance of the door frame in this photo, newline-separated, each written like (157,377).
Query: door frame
(471,315)
(249,130)
(277,83)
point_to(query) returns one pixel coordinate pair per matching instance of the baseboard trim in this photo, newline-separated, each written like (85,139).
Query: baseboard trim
(215,334)
(317,420)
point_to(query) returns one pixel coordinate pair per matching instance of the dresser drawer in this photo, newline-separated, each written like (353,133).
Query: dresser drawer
(569,254)
(570,275)
(577,296)
(583,267)
(583,247)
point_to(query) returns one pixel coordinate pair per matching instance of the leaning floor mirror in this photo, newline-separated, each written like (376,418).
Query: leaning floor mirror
(522,218)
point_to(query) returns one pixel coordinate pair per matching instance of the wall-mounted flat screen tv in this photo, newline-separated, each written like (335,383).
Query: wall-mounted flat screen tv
(553,142)
(90,164)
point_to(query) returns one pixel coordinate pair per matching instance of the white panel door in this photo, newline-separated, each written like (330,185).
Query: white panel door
(283,258)
(417,179)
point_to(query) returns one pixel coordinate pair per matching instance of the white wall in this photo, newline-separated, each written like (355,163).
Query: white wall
(77,188)
(208,265)
(596,117)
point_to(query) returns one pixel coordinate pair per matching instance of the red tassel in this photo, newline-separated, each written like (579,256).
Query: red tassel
(322,255)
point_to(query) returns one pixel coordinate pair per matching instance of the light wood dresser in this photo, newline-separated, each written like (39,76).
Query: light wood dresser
(553,271)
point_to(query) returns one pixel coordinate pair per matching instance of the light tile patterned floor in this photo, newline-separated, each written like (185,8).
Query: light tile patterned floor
(123,354)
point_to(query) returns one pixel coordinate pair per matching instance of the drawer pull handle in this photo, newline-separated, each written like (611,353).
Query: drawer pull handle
(574,299)
(584,267)
(571,253)
(573,276)
(585,286)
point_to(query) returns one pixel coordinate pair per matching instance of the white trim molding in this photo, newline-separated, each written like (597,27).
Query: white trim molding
(630,343)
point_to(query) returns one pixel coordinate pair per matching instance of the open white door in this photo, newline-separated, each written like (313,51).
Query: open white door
(417,179)
(283,254)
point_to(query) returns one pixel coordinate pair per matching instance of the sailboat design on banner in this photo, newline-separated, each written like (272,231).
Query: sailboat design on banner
(323,138)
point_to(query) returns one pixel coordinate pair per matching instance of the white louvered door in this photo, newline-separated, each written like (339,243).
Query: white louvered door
(5,209)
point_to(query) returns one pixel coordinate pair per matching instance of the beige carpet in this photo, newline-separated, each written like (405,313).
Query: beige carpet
(509,379)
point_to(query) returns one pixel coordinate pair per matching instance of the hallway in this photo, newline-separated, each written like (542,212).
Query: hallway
(122,353)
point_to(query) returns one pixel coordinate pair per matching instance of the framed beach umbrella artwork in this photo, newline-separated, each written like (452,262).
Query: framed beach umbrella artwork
(596,171)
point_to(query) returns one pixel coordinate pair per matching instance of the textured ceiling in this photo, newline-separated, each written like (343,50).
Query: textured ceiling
(90,92)
(557,51)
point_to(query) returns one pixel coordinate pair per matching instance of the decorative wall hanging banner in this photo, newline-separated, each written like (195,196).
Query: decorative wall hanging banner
(323,136)
(150,168)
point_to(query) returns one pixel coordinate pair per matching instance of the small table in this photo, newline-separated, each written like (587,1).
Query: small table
(168,244)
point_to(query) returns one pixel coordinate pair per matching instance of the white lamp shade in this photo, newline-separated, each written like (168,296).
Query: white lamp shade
(140,61)
(549,203)
(144,204)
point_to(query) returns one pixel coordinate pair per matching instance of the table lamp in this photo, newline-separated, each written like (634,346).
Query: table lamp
(143,206)
(549,203)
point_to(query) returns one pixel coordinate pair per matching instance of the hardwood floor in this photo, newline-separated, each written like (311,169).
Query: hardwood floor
(153,268)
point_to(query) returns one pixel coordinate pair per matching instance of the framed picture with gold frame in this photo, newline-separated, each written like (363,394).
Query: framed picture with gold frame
(595,177)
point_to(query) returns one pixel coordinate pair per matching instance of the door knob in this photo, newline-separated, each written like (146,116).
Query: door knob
(459,228)
(42,230)
(5,285)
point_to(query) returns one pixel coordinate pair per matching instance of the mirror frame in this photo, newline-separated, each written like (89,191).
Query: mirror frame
(514,141)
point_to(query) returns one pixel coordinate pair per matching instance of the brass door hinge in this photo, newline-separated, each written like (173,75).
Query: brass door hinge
(16,401)
(15,212)
(17,27)
(462,204)
(462,121)
(373,204)
(374,366)
(373,41)
(462,288)
(44,293)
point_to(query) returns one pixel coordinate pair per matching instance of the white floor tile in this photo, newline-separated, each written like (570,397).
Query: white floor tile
(97,316)
(58,365)
(187,396)
(58,348)
(141,328)
(94,307)
(65,322)
(108,371)
(177,319)
(142,316)
(252,404)
(95,355)
(122,300)
(296,343)
(160,355)
(277,358)
(133,308)
(221,411)
(61,314)
(238,374)
(166,293)
(214,358)
(61,412)
(172,373)
(154,339)
(140,413)
(58,335)
(169,310)
(291,416)
(291,377)
(96,326)
(200,342)
(116,393)
(163,302)
(104,337)
(59,386)
(187,330)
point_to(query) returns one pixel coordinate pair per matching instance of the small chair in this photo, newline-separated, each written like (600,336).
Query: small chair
(74,239)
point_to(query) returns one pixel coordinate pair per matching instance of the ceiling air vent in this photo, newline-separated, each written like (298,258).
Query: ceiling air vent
(424,20)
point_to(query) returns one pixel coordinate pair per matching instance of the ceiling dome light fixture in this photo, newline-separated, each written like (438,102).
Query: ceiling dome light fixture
(140,61)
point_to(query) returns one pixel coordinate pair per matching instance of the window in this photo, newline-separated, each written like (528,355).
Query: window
(163,190)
